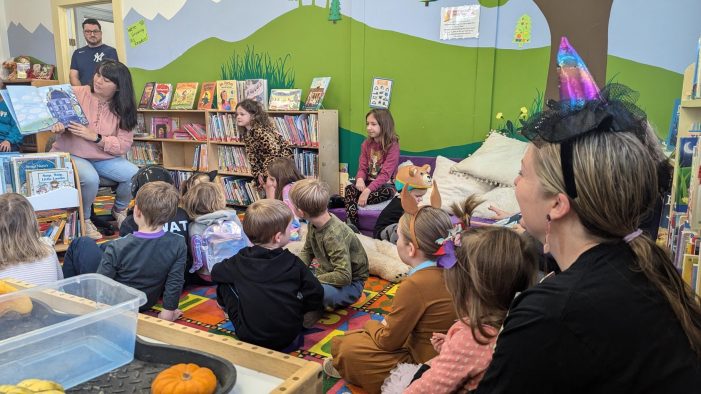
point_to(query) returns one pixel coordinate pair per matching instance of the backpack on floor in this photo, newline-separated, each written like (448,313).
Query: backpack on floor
(220,240)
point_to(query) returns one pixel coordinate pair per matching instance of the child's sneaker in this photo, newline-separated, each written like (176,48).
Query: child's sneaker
(91,231)
(329,370)
(119,216)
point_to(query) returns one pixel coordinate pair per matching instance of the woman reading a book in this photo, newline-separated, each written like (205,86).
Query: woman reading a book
(618,318)
(263,142)
(97,149)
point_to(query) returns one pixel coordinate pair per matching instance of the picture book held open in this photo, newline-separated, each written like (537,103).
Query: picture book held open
(36,109)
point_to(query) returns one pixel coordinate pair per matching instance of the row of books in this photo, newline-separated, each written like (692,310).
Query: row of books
(145,153)
(226,94)
(307,162)
(240,191)
(179,177)
(222,127)
(233,159)
(169,127)
(199,159)
(685,245)
(299,130)
(59,225)
(37,173)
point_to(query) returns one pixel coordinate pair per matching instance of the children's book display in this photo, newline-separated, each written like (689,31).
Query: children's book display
(147,95)
(36,109)
(257,90)
(227,95)
(285,99)
(184,96)
(380,93)
(207,95)
(317,91)
(163,93)
(38,173)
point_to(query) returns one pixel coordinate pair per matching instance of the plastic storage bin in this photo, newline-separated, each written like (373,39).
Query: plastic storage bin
(79,328)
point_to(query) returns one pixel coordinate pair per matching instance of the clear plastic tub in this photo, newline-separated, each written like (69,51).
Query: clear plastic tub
(79,328)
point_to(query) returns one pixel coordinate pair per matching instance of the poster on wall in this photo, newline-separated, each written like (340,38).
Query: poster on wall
(460,22)
(380,93)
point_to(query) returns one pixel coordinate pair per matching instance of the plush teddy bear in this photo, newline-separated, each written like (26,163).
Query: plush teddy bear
(414,177)
(9,69)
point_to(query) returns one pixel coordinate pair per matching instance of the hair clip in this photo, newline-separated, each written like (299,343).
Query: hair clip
(446,252)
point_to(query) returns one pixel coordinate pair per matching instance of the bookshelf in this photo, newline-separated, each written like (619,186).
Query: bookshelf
(226,153)
(684,227)
(68,199)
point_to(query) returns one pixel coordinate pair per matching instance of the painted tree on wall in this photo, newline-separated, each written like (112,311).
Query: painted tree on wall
(586,25)
(335,11)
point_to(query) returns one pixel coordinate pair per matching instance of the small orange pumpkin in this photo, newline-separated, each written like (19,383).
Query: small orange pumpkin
(185,379)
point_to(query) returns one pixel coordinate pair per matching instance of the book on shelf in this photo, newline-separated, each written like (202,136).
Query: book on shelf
(222,127)
(227,95)
(317,91)
(184,95)
(59,224)
(163,93)
(696,80)
(239,191)
(199,159)
(145,153)
(257,90)
(147,95)
(140,129)
(233,159)
(285,99)
(300,130)
(36,109)
(380,93)
(23,164)
(44,181)
(163,126)
(41,71)
(195,131)
(207,95)
(6,180)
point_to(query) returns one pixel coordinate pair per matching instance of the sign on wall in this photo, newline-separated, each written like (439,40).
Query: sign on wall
(460,22)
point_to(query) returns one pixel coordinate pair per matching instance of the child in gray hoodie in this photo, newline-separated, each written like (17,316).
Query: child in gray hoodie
(216,232)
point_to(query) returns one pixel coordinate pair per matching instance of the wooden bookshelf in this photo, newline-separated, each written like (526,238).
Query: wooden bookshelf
(179,154)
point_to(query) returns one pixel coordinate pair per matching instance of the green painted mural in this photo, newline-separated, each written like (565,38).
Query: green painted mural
(445,97)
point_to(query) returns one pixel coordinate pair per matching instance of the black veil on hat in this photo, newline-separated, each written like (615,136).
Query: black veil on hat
(582,109)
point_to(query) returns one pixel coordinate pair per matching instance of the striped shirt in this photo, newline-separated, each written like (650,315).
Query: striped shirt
(38,272)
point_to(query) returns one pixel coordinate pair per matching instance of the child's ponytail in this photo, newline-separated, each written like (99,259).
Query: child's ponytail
(464,211)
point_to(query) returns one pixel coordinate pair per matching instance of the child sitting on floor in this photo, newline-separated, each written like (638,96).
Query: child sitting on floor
(484,270)
(421,306)
(205,203)
(24,254)
(150,260)
(343,264)
(417,180)
(282,175)
(265,289)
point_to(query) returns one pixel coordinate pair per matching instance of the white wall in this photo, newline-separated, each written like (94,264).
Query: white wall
(4,45)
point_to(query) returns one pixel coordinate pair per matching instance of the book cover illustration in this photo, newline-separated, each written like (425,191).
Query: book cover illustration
(207,95)
(317,91)
(21,165)
(44,181)
(147,95)
(36,109)
(226,95)
(184,95)
(41,71)
(163,92)
(285,99)
(257,90)
(6,181)
(162,127)
(380,93)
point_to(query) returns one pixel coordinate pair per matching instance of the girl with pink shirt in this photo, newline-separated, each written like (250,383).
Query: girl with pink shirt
(377,164)
(485,268)
(98,148)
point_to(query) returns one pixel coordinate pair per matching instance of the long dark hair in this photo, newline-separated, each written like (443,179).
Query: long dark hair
(284,170)
(122,103)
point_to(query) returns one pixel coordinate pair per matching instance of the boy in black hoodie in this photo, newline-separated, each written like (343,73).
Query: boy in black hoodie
(266,290)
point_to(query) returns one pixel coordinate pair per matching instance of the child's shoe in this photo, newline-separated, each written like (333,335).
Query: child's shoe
(329,370)
(91,231)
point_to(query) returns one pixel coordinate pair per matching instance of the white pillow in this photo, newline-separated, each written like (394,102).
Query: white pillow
(454,187)
(498,160)
(502,197)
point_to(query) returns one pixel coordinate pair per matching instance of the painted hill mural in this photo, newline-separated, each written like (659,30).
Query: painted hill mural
(444,97)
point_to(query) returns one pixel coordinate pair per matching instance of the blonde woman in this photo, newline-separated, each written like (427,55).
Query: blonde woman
(24,254)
